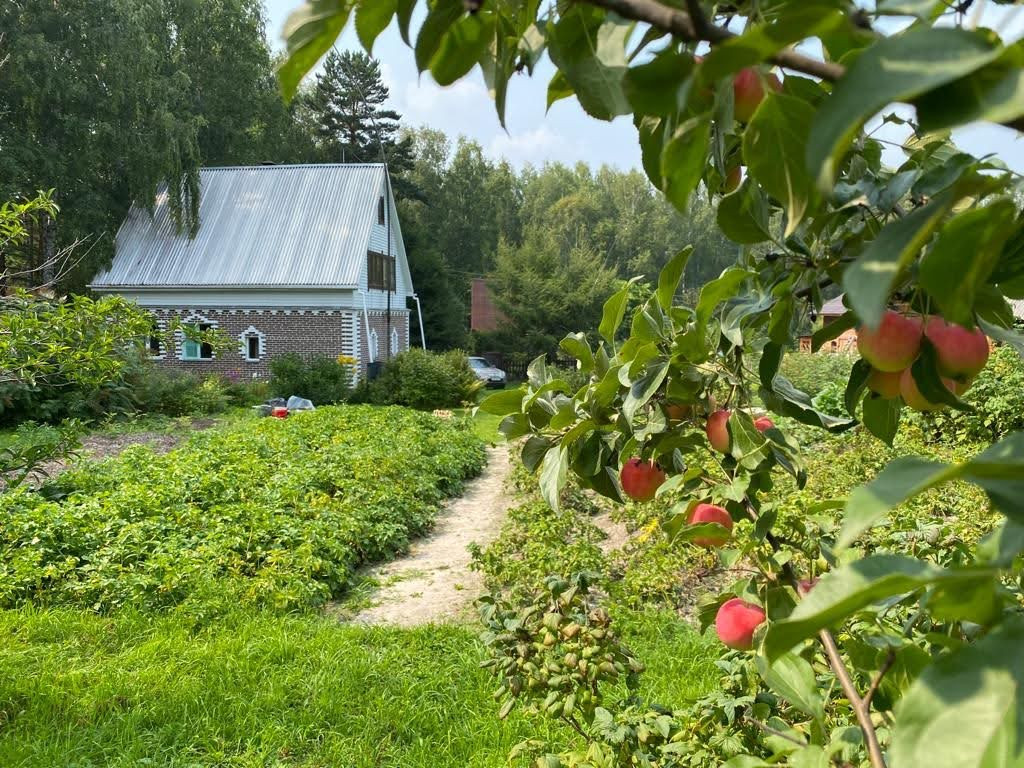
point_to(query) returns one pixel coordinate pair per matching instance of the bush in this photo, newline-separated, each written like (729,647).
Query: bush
(425,380)
(813,372)
(176,393)
(324,380)
(266,512)
(998,399)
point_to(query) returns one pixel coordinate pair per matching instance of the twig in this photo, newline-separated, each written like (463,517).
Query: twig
(862,712)
(700,21)
(886,666)
(775,731)
(682,25)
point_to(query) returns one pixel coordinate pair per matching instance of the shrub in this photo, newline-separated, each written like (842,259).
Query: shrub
(176,393)
(812,372)
(997,396)
(324,380)
(266,512)
(426,380)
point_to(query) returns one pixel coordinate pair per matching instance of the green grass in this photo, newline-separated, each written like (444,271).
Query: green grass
(255,689)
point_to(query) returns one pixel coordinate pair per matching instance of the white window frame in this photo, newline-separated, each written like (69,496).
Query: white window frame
(395,341)
(185,345)
(373,344)
(252,333)
(159,332)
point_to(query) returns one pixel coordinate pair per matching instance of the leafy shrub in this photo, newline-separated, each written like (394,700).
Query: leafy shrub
(160,390)
(812,372)
(324,380)
(266,512)
(997,396)
(421,379)
(831,399)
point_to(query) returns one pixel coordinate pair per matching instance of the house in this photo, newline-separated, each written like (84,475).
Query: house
(484,315)
(288,258)
(832,310)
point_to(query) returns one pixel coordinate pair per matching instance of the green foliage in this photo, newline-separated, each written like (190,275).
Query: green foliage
(997,397)
(814,372)
(267,512)
(422,379)
(30,445)
(324,380)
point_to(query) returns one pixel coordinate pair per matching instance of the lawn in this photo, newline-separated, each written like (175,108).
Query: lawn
(257,689)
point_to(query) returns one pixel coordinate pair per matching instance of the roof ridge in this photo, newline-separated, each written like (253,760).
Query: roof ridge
(287,166)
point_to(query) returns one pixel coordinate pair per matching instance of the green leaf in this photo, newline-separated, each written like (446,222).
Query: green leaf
(923,9)
(372,18)
(534,451)
(309,33)
(833,330)
(901,479)
(614,311)
(843,592)
(896,68)
(503,402)
(683,161)
(589,48)
(576,344)
(643,389)
(670,276)
(774,147)
(993,94)
(812,756)
(405,9)
(558,89)
(965,710)
(743,215)
(461,46)
(785,399)
(792,677)
(963,257)
(882,417)
(660,86)
(871,277)
(926,376)
(553,474)
(441,16)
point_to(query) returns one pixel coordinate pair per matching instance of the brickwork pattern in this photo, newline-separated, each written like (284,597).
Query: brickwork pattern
(309,332)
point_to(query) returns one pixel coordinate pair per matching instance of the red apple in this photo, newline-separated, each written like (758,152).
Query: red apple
(892,346)
(717,431)
(736,621)
(885,384)
(641,479)
(805,585)
(710,513)
(732,180)
(748,91)
(961,353)
(912,395)
(763,423)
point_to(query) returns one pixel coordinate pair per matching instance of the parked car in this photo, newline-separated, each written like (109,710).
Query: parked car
(486,372)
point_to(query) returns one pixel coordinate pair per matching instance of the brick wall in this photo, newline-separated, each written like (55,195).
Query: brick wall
(310,332)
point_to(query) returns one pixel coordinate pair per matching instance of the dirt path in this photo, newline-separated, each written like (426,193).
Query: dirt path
(433,582)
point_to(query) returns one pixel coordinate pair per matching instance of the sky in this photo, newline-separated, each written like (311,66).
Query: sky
(565,133)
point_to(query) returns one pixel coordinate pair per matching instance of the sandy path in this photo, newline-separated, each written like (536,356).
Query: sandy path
(433,582)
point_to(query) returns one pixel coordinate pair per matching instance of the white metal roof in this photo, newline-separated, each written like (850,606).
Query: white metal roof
(271,225)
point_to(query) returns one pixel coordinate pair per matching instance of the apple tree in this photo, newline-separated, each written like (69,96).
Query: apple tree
(772,107)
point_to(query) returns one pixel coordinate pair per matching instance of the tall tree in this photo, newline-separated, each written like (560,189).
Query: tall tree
(352,121)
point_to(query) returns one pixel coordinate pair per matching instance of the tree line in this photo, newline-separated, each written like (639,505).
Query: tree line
(108,101)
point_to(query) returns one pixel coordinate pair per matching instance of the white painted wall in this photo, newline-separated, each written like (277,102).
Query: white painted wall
(335,298)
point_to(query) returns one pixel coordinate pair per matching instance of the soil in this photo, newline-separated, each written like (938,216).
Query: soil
(433,582)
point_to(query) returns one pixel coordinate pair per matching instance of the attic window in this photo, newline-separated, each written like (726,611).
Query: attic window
(380,271)
(380,210)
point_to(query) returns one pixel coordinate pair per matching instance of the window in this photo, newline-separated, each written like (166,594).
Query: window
(197,350)
(380,211)
(394,341)
(154,341)
(374,345)
(253,344)
(380,271)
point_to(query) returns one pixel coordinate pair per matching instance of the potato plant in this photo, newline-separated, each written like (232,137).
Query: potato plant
(266,512)
(764,105)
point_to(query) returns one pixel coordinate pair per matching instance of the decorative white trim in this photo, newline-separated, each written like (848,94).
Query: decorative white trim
(244,337)
(373,345)
(161,334)
(395,341)
(195,318)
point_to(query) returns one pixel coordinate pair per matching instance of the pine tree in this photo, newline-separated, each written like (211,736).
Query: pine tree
(352,121)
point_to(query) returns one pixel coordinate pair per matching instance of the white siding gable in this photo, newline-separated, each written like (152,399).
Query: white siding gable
(377,299)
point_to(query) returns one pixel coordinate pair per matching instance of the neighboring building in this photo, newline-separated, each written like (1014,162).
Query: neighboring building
(288,258)
(832,310)
(484,314)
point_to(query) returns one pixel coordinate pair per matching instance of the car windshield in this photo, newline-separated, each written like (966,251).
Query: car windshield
(479,362)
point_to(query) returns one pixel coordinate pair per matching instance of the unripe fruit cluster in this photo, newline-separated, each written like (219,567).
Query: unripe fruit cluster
(892,348)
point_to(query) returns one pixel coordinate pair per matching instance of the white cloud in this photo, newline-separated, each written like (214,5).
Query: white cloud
(534,146)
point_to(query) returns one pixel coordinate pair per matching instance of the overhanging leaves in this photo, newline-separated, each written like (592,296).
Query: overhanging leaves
(309,33)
